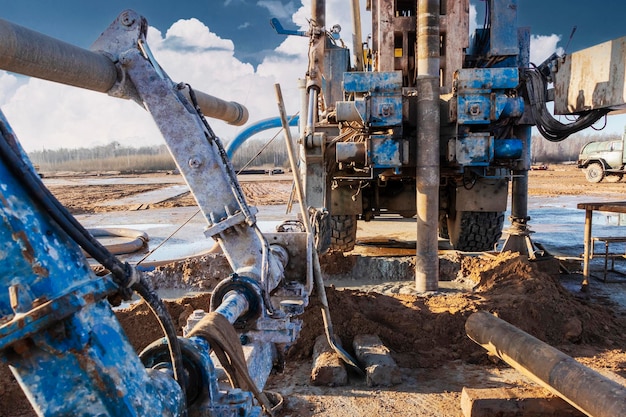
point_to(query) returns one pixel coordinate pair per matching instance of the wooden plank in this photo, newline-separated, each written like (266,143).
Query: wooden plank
(612,206)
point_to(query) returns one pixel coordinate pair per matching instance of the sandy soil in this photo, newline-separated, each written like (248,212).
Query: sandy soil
(425,333)
(265,190)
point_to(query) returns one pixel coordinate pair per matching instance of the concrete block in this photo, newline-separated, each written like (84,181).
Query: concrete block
(514,402)
(328,368)
(380,368)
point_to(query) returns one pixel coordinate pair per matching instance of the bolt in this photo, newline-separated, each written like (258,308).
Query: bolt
(474,109)
(195,162)
(127,19)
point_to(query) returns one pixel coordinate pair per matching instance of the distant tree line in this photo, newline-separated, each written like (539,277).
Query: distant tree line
(544,151)
(117,157)
(252,154)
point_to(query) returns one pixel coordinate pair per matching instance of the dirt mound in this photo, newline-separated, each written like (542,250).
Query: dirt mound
(425,331)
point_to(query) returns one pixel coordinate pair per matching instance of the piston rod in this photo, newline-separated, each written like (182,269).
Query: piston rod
(584,388)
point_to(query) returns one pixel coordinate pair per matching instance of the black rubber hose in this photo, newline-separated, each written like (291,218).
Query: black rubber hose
(548,126)
(10,151)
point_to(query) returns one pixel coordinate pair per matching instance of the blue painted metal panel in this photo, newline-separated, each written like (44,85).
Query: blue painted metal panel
(385,152)
(508,148)
(475,150)
(483,109)
(487,78)
(503,36)
(385,110)
(361,82)
(78,361)
(474,109)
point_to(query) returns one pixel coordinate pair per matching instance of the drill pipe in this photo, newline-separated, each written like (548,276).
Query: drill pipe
(427,175)
(584,388)
(24,51)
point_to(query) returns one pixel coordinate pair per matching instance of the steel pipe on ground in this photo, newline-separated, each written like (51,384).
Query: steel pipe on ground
(24,51)
(582,387)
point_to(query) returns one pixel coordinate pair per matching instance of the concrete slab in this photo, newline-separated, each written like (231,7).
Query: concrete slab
(380,368)
(514,402)
(328,368)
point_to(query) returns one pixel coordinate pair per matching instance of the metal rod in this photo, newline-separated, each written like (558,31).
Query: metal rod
(318,10)
(587,247)
(427,175)
(233,306)
(229,111)
(24,51)
(582,387)
(357,36)
(317,270)
(519,187)
(292,158)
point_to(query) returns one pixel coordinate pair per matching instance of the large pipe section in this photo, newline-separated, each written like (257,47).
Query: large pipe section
(584,388)
(24,51)
(427,176)
(265,124)
(27,52)
(318,9)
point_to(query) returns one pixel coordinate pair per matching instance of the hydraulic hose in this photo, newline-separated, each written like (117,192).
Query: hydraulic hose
(137,238)
(548,126)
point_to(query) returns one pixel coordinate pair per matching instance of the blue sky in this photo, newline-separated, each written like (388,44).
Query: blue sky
(80,22)
(249,58)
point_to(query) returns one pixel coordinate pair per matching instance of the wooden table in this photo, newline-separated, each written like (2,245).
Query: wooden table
(609,206)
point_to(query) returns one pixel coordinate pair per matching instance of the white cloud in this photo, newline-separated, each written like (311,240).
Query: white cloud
(542,46)
(193,33)
(277,9)
(473,23)
(47,115)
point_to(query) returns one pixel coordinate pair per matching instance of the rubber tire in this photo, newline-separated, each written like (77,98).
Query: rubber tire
(613,177)
(343,232)
(594,172)
(475,231)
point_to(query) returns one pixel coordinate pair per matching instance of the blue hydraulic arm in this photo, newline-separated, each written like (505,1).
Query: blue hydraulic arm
(58,332)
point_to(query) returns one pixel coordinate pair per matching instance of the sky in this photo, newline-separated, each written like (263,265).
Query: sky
(226,48)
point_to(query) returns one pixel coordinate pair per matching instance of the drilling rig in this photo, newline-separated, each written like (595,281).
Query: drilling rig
(425,121)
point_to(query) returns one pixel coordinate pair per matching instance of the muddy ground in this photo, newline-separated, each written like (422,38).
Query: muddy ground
(425,333)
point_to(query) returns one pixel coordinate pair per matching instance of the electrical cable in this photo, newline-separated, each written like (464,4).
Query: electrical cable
(123,274)
(548,126)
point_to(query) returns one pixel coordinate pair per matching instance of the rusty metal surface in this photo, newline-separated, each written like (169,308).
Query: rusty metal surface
(27,52)
(584,388)
(594,78)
